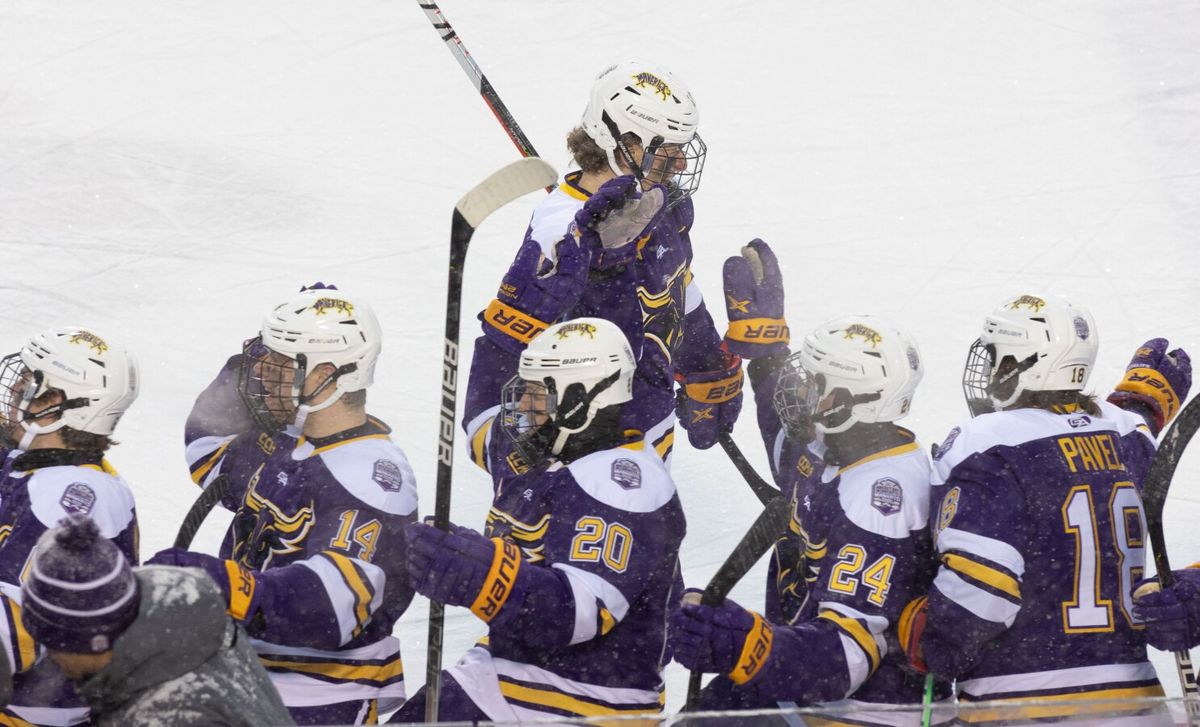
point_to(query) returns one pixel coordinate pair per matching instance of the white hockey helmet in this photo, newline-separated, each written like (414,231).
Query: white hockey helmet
(656,106)
(319,325)
(849,370)
(98,381)
(566,375)
(1029,343)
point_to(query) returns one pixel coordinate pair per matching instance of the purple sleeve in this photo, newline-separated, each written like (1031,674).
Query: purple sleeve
(700,349)
(979,528)
(219,410)
(219,425)
(330,598)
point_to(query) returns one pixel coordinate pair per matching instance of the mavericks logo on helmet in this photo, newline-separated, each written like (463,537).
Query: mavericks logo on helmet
(323,305)
(660,86)
(96,343)
(1032,302)
(869,335)
(583,329)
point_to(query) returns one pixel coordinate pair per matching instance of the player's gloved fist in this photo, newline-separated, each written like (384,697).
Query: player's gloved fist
(1172,616)
(461,567)
(911,629)
(707,403)
(726,639)
(616,217)
(538,289)
(236,583)
(1155,383)
(754,303)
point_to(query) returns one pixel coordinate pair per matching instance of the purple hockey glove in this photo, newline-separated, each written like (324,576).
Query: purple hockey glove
(1155,383)
(708,403)
(754,303)
(536,292)
(616,217)
(236,583)
(1172,616)
(725,639)
(462,567)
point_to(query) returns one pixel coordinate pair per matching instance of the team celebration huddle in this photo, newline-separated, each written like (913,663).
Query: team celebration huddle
(1004,564)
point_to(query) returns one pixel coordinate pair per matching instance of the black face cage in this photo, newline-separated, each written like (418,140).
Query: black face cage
(528,410)
(795,399)
(977,378)
(19,386)
(660,159)
(270,386)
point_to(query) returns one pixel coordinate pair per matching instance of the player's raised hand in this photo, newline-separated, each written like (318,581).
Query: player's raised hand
(754,302)
(616,217)
(1156,382)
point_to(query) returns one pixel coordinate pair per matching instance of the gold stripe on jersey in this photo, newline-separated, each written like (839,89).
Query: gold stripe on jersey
(567,703)
(1060,705)
(856,631)
(572,192)
(521,531)
(357,585)
(893,452)
(199,473)
(335,445)
(381,674)
(26,651)
(8,719)
(478,444)
(976,571)
(665,444)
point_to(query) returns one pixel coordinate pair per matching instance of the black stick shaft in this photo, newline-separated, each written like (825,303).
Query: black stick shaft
(200,510)
(762,489)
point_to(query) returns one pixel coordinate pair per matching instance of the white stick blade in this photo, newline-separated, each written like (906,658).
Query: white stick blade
(513,181)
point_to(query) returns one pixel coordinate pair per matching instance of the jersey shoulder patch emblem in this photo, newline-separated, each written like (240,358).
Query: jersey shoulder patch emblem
(945,446)
(887,496)
(387,475)
(627,473)
(78,498)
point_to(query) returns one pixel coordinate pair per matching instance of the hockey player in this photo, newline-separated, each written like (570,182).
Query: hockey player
(639,127)
(574,580)
(61,397)
(859,487)
(313,562)
(1039,522)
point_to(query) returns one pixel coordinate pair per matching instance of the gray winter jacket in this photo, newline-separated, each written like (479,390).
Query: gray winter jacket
(182,662)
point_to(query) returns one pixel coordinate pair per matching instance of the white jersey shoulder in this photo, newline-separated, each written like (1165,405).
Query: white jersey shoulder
(632,480)
(375,471)
(887,494)
(1015,427)
(56,492)
(553,216)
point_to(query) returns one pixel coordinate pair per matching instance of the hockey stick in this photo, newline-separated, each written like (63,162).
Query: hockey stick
(762,489)
(513,181)
(760,538)
(480,81)
(200,509)
(1154,499)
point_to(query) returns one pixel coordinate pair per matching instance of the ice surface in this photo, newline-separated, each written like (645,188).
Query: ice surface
(169,170)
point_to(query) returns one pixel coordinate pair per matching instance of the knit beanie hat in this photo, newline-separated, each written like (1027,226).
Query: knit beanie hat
(80,594)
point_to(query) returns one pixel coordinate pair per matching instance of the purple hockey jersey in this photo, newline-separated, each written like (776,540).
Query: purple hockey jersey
(1041,534)
(655,302)
(610,523)
(857,552)
(32,500)
(321,521)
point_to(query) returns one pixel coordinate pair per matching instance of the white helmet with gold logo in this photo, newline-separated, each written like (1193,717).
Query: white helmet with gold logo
(98,381)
